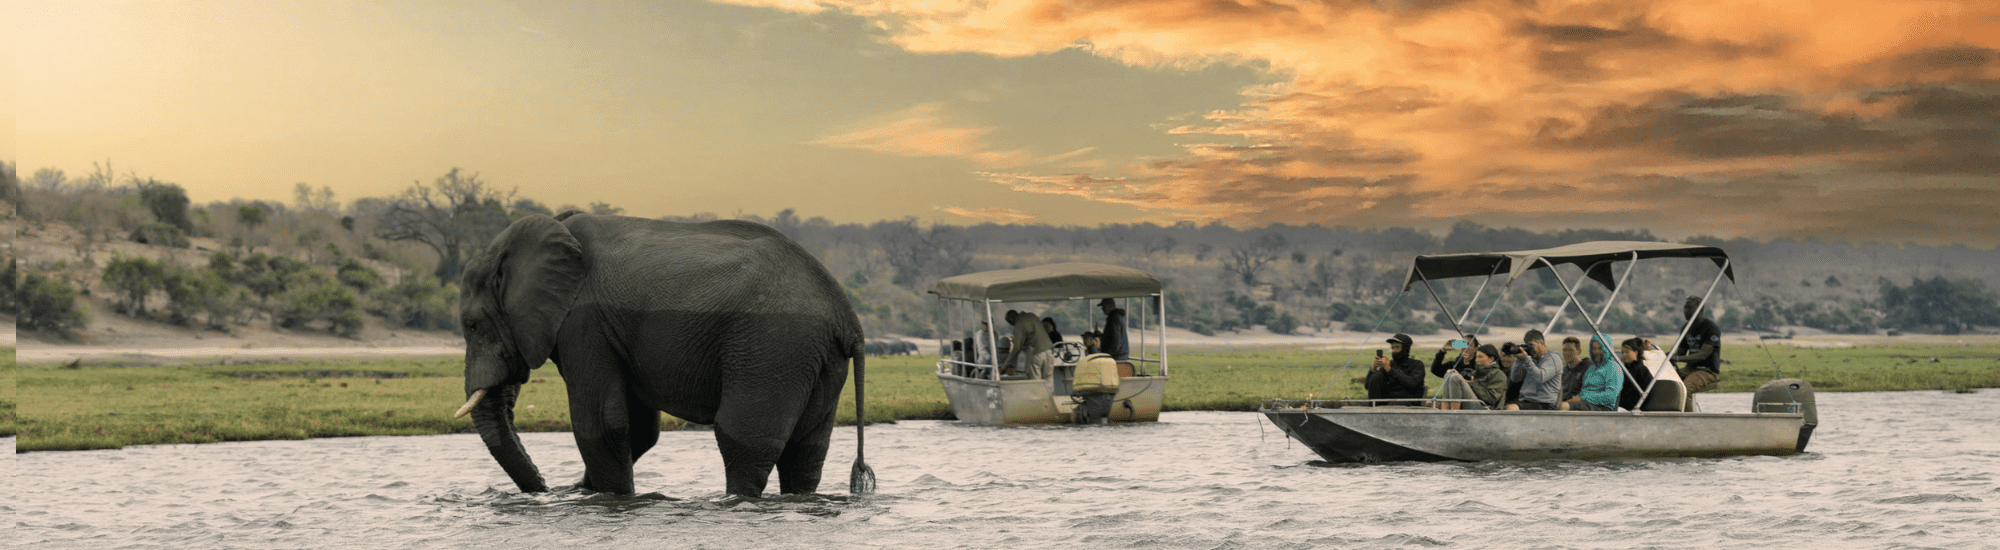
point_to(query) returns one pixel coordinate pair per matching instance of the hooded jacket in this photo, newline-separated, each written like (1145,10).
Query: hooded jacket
(1603,380)
(1403,380)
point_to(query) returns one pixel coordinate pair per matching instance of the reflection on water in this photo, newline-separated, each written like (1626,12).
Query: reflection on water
(1888,470)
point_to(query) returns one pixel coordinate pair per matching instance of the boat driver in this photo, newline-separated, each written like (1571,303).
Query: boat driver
(1704,364)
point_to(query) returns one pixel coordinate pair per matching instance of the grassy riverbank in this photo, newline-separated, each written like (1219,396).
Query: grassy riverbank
(96,407)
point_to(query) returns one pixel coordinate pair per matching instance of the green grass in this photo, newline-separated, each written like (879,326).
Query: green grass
(96,407)
(10,423)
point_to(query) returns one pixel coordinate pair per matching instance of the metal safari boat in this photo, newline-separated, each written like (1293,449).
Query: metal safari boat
(972,376)
(1780,421)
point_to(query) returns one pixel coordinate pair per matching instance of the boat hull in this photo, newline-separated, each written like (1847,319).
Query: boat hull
(1388,434)
(1034,402)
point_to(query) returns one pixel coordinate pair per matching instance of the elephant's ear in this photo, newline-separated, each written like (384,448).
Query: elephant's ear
(541,268)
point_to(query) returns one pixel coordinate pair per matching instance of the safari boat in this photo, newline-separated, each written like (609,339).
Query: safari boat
(1780,421)
(971,373)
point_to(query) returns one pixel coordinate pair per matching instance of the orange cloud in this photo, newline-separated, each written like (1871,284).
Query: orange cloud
(1651,114)
(1002,215)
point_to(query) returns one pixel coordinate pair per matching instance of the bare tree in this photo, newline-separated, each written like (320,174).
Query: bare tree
(452,213)
(1248,261)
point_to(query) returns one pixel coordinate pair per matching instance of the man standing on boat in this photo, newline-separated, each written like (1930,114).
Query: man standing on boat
(1539,370)
(1112,340)
(1398,376)
(1704,363)
(1033,354)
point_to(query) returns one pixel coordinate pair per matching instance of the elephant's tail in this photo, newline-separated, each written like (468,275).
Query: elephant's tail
(862,480)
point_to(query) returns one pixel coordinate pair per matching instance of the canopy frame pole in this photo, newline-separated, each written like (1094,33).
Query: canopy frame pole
(1162,300)
(1475,297)
(993,341)
(1593,325)
(1614,291)
(1455,326)
(1684,332)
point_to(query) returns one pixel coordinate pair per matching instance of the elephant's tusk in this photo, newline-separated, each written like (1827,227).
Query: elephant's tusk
(469,403)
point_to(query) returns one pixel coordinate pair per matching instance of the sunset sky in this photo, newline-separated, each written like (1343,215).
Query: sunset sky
(1861,121)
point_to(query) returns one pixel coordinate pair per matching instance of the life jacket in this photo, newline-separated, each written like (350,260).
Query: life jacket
(1097,372)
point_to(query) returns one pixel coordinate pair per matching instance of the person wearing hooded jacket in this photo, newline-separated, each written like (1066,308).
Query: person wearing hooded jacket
(1601,380)
(1398,376)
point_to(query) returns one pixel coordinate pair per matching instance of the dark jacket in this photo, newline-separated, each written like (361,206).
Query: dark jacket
(1439,365)
(1114,341)
(1636,380)
(1403,380)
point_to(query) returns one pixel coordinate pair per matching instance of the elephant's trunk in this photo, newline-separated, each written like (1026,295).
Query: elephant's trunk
(493,416)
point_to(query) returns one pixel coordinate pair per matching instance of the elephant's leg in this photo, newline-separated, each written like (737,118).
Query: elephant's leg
(751,433)
(603,426)
(645,428)
(804,458)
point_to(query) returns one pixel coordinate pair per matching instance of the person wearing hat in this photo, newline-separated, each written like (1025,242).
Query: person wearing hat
(1397,376)
(1701,351)
(1112,339)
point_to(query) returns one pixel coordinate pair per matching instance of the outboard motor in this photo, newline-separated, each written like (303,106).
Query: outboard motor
(1774,395)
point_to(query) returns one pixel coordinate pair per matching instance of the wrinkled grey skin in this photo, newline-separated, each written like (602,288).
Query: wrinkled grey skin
(727,323)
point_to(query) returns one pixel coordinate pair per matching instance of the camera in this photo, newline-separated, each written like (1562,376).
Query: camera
(1510,349)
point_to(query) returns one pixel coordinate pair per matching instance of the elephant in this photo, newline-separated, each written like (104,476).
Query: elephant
(728,323)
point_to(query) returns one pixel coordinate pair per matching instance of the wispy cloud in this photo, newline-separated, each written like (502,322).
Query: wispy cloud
(1001,215)
(920,131)
(1840,119)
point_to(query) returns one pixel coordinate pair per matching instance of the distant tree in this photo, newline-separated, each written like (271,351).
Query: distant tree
(605,209)
(10,299)
(1939,304)
(200,291)
(168,202)
(47,304)
(1247,262)
(455,212)
(133,278)
(314,200)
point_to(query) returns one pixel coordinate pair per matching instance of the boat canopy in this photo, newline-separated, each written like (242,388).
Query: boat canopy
(1594,257)
(1063,281)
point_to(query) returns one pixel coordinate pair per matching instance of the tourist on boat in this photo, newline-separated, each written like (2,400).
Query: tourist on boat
(1574,365)
(1488,378)
(1703,365)
(1633,352)
(1112,339)
(1601,380)
(1091,343)
(1397,376)
(1439,367)
(1538,370)
(982,343)
(1032,355)
(1055,336)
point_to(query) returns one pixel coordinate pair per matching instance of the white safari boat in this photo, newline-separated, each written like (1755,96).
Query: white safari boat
(1780,421)
(970,372)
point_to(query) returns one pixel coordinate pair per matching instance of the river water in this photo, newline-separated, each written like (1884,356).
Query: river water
(1886,470)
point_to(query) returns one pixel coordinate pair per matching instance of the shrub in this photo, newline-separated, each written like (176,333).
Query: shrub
(133,279)
(201,291)
(160,234)
(359,276)
(302,305)
(1284,324)
(46,304)
(419,302)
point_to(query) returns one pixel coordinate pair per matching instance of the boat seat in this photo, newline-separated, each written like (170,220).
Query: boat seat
(1669,392)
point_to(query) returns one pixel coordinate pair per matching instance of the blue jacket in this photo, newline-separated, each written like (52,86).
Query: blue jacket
(1602,382)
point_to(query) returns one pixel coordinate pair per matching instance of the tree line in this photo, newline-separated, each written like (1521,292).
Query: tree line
(319,263)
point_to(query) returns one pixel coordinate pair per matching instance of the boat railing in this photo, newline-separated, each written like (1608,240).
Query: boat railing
(1309,404)
(965,369)
(1779,408)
